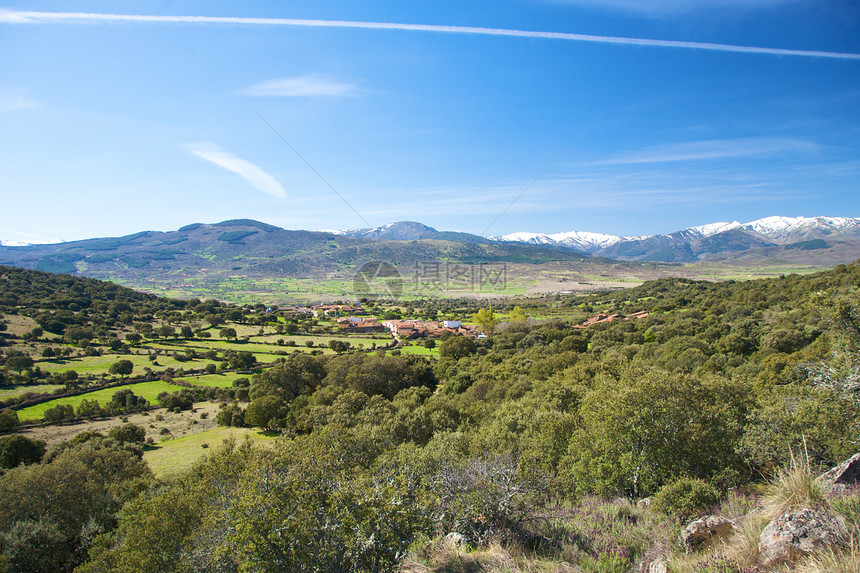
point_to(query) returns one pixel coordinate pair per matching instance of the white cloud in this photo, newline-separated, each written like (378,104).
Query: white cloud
(715,149)
(308,85)
(253,174)
(23,17)
(14,99)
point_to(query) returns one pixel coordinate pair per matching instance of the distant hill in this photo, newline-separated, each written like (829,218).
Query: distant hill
(411,231)
(257,249)
(248,248)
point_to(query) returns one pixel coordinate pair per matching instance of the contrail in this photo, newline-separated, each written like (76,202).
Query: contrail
(24,17)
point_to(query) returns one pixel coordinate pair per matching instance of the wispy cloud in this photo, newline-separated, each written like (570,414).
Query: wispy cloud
(665,7)
(24,17)
(715,149)
(253,174)
(14,99)
(308,85)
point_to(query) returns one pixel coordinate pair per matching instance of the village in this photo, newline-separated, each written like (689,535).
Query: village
(355,319)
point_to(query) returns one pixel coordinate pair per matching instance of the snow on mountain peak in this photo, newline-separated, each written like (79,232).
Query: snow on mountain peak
(580,240)
(713,228)
(30,243)
(776,229)
(776,226)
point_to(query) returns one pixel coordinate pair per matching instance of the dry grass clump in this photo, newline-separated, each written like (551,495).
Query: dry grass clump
(738,504)
(591,536)
(712,562)
(443,556)
(835,560)
(793,488)
(743,546)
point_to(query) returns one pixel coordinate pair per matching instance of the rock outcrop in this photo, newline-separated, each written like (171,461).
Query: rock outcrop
(706,530)
(845,475)
(799,533)
(456,539)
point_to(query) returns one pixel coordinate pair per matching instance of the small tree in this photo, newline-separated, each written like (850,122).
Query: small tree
(457,347)
(338,345)
(128,433)
(8,419)
(19,362)
(264,412)
(214,319)
(486,320)
(59,413)
(518,315)
(17,450)
(228,333)
(122,367)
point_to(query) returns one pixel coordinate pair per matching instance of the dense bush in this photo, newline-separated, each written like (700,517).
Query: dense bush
(685,498)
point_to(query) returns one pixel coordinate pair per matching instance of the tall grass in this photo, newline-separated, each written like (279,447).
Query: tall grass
(743,546)
(835,560)
(793,488)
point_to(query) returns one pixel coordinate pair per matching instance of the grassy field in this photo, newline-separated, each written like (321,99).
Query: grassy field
(741,273)
(148,390)
(98,365)
(264,352)
(323,340)
(418,349)
(159,424)
(7,392)
(171,458)
(268,354)
(224,380)
(584,276)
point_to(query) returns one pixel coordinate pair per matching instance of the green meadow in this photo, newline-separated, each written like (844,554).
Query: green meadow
(172,458)
(148,390)
(11,392)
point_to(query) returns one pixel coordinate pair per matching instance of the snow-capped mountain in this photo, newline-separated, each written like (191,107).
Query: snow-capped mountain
(410,231)
(29,243)
(782,229)
(578,240)
(710,241)
(712,228)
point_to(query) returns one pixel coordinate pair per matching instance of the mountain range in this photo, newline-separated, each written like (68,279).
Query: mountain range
(721,241)
(715,241)
(253,249)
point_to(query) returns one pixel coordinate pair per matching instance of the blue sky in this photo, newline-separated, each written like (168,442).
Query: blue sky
(112,125)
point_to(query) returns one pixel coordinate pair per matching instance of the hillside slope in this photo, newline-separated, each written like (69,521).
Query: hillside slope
(256,249)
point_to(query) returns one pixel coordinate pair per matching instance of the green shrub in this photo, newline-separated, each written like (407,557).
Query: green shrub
(685,498)
(128,433)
